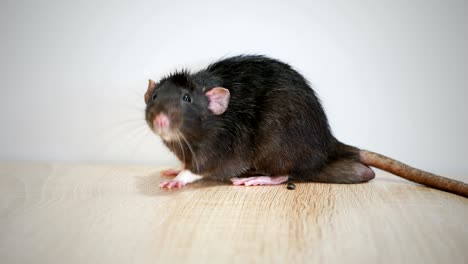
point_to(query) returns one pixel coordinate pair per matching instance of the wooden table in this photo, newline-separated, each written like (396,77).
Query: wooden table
(51,213)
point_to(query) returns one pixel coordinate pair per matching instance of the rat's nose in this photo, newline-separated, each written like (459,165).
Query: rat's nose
(161,121)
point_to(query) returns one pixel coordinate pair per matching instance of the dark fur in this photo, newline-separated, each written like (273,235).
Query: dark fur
(274,124)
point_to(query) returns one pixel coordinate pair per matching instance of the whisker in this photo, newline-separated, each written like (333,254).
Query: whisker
(143,134)
(191,150)
(138,93)
(181,147)
(128,121)
(116,140)
(122,130)
(125,130)
(140,109)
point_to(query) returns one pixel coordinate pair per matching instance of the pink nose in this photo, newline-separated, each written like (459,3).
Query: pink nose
(161,121)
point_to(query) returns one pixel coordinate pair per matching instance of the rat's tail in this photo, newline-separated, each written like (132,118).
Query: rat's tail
(398,168)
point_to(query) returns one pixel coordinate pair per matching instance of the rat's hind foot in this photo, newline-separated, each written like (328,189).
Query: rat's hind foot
(259,180)
(170,172)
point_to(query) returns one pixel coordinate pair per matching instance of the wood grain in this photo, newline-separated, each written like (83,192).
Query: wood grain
(52,213)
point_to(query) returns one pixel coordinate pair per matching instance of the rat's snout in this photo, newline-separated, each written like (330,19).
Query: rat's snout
(161,121)
(164,121)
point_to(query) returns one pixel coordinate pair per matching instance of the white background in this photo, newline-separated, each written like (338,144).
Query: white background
(392,75)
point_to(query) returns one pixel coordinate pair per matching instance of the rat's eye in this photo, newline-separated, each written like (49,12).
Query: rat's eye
(154,97)
(187,98)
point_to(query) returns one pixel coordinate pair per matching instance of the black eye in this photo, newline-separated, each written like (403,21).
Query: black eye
(187,98)
(154,97)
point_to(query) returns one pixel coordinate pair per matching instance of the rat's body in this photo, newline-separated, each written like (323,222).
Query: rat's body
(252,115)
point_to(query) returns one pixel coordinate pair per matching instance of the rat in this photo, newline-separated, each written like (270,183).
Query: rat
(254,120)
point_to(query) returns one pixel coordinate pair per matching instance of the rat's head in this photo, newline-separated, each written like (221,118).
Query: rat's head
(177,106)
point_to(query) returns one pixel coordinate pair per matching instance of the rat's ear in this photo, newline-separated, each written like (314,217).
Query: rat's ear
(151,86)
(219,100)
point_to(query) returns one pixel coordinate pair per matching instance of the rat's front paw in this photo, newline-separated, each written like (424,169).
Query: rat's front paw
(170,172)
(172,184)
(182,179)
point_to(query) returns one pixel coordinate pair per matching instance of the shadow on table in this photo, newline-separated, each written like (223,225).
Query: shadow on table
(149,184)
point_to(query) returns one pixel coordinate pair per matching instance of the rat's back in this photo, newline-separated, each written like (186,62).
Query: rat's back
(257,72)
(279,108)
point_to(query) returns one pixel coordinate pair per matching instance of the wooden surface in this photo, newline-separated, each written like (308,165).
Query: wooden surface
(117,214)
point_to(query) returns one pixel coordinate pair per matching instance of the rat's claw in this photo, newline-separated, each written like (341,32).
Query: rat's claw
(171,184)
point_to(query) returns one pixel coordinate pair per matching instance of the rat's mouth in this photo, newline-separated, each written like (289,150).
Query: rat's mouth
(163,126)
(166,134)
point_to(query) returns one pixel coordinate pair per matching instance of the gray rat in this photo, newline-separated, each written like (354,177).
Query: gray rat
(254,120)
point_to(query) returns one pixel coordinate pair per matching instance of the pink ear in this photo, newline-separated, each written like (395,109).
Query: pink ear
(219,100)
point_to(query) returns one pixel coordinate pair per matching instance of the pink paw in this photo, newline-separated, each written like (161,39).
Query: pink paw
(171,184)
(170,172)
(259,180)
